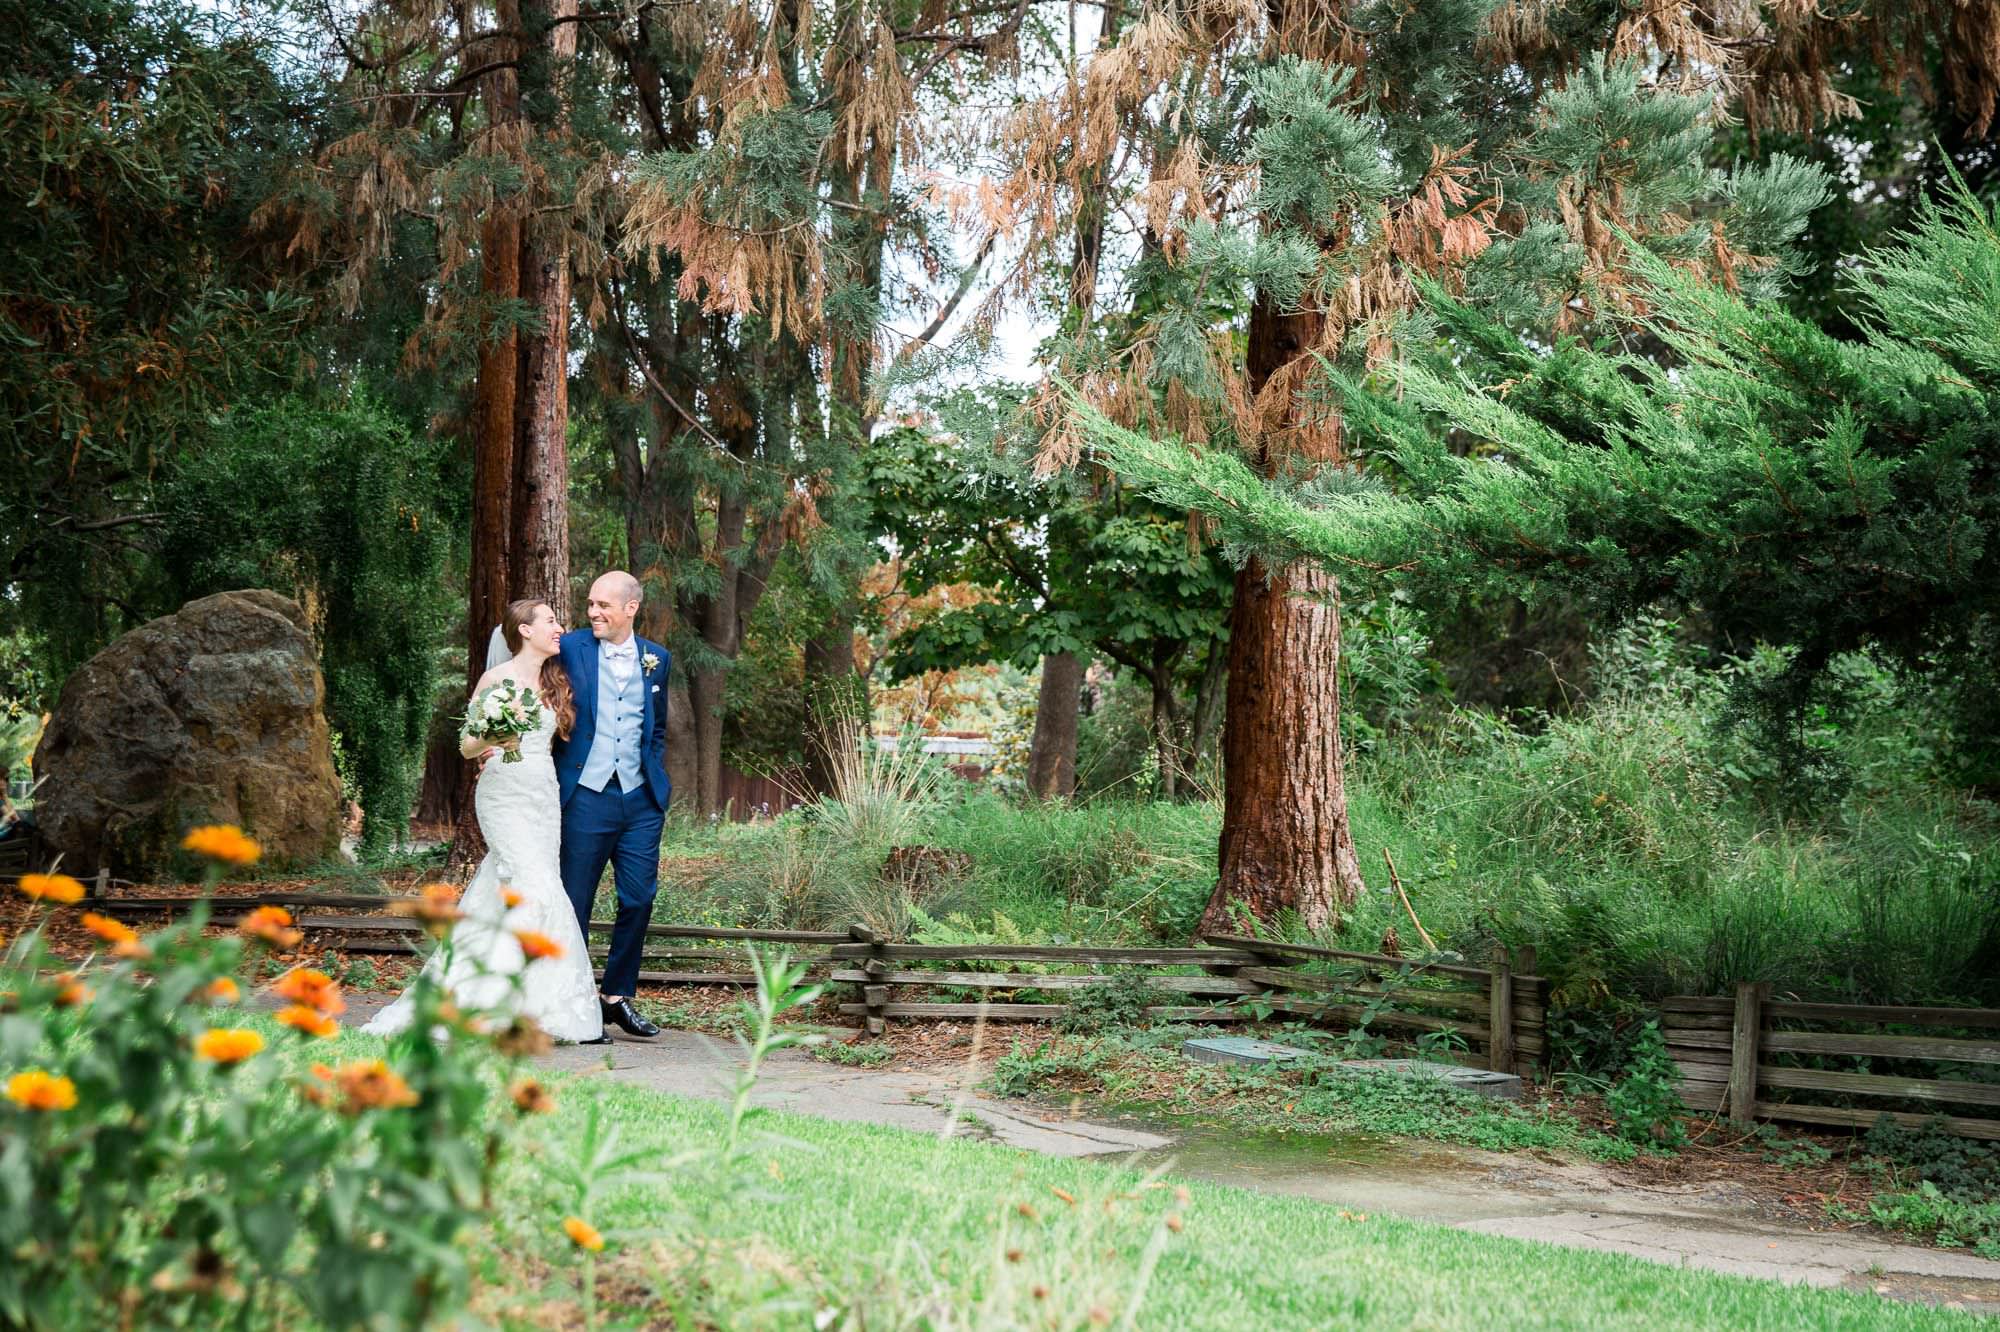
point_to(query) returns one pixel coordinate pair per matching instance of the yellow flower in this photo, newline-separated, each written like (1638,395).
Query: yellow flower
(509,898)
(308,1020)
(38,1090)
(223,990)
(73,992)
(272,925)
(51,888)
(582,1234)
(228,1045)
(537,945)
(311,987)
(224,842)
(370,1084)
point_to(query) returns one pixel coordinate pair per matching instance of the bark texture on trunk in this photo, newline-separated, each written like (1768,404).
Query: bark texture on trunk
(1052,750)
(1285,837)
(538,558)
(520,476)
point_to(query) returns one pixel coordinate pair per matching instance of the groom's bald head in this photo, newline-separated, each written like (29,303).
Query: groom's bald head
(614,602)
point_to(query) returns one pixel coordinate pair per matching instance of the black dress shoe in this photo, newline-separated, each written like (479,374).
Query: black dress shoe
(624,1015)
(595,1040)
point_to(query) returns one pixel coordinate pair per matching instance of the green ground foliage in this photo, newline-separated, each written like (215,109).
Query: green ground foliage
(1144,1069)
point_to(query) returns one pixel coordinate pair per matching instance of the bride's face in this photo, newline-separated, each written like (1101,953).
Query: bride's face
(544,632)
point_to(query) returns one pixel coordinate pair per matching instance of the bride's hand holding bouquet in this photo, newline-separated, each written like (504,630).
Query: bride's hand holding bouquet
(501,714)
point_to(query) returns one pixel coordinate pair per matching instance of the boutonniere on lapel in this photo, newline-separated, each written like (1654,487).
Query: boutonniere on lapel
(649,662)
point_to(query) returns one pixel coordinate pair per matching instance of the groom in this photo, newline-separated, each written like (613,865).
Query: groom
(613,776)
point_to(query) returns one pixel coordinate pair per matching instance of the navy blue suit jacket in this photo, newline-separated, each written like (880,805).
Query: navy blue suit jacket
(579,662)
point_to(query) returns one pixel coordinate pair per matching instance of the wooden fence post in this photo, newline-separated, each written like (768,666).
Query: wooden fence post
(874,994)
(1500,1014)
(1525,960)
(100,887)
(1745,1035)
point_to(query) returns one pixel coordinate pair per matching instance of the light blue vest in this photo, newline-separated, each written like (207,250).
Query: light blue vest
(614,746)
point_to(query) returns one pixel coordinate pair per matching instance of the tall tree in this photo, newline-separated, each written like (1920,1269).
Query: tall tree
(1816,494)
(1313,161)
(137,138)
(762,218)
(463,124)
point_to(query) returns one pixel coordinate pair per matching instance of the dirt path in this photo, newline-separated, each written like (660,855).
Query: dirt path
(1706,1225)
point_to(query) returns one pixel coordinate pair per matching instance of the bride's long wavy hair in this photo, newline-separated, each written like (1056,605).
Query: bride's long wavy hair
(555,688)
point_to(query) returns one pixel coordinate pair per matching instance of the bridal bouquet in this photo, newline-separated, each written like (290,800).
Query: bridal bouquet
(504,712)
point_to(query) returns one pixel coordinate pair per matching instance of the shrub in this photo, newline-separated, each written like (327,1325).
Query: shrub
(159,1167)
(1101,1008)
(1645,1103)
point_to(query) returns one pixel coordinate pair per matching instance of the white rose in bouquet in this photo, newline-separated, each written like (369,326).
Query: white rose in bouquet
(502,713)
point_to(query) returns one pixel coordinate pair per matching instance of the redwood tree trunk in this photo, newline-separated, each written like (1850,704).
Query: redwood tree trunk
(1052,751)
(520,479)
(538,554)
(495,424)
(1285,837)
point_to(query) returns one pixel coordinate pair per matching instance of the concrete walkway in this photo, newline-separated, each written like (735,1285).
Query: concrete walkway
(1576,1204)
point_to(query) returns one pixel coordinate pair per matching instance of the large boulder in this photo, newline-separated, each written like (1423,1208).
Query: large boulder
(210,715)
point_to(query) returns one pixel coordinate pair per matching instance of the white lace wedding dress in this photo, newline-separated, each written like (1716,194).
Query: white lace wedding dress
(520,814)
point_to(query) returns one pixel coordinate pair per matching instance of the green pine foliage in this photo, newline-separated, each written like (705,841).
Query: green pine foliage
(1819,495)
(136,138)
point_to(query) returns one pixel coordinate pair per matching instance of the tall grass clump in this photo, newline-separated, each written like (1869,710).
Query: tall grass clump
(1637,845)
(821,865)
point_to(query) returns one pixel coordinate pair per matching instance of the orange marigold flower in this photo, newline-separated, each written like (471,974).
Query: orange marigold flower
(37,1089)
(311,987)
(272,925)
(308,1020)
(531,1097)
(107,929)
(222,990)
(370,1084)
(228,1045)
(51,888)
(537,945)
(224,842)
(72,992)
(509,898)
(582,1234)
(436,906)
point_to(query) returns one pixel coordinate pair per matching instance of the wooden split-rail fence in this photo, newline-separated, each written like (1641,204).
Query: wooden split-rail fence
(1751,1057)
(1492,1017)
(1489,1017)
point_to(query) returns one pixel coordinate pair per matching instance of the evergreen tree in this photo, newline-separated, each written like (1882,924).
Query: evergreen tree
(1304,167)
(1816,494)
(136,139)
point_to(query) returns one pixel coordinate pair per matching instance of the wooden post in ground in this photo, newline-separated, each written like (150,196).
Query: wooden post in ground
(1500,1014)
(1525,960)
(875,994)
(100,887)
(1745,1035)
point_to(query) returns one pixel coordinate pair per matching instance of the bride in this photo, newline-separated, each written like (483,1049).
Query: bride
(520,816)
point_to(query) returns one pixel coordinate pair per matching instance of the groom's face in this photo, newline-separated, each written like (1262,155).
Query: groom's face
(612,609)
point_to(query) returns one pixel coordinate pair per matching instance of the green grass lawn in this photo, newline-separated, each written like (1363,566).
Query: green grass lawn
(897,1229)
